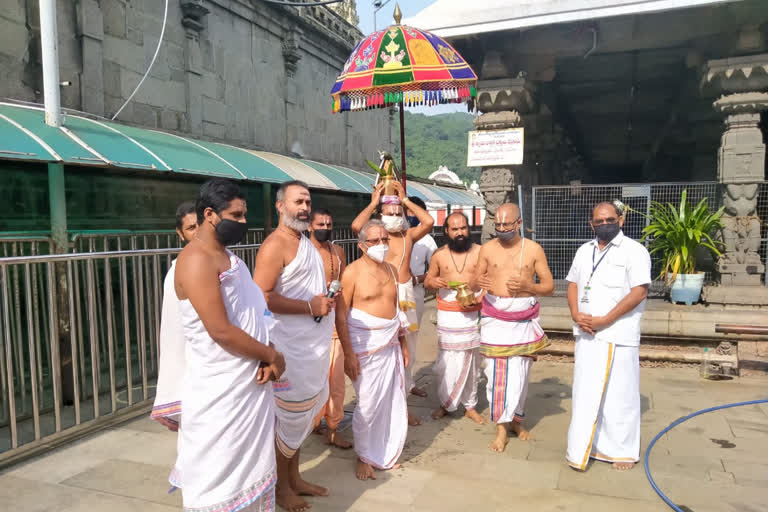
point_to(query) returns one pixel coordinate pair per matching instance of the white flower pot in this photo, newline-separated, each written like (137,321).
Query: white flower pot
(687,288)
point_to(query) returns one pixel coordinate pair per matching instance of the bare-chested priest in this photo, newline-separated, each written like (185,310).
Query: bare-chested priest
(510,334)
(290,271)
(458,332)
(342,359)
(377,335)
(402,239)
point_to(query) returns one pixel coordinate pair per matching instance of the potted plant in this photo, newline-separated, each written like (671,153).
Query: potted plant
(674,233)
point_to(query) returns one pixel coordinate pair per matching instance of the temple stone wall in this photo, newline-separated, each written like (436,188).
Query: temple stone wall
(238,71)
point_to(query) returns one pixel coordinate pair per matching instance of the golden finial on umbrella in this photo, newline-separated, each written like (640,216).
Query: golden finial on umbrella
(397,14)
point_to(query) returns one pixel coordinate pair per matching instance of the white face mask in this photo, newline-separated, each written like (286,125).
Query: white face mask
(378,252)
(393,223)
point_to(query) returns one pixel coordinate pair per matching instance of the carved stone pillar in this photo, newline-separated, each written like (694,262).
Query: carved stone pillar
(91,31)
(193,20)
(501,103)
(741,165)
(291,46)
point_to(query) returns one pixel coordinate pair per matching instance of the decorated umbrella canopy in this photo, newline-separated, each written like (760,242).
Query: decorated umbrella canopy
(403,66)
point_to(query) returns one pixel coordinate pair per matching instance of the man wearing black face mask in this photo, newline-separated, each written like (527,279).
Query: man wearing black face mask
(607,285)
(320,230)
(228,411)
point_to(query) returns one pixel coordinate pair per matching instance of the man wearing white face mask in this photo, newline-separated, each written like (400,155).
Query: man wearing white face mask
(402,239)
(377,336)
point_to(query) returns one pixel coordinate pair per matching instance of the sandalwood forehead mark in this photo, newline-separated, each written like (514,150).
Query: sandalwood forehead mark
(503,211)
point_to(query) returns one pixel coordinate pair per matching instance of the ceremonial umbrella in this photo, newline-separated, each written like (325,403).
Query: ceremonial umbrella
(403,66)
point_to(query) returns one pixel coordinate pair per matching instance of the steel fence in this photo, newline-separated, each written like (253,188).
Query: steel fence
(141,240)
(79,340)
(23,245)
(112,241)
(560,218)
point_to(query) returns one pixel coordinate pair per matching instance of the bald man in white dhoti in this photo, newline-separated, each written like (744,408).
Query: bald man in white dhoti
(290,271)
(607,286)
(510,334)
(226,457)
(377,331)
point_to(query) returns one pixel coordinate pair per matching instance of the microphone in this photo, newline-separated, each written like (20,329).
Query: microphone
(333,289)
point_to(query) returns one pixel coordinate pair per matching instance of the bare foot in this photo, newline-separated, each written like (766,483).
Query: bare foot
(439,413)
(317,430)
(339,441)
(288,500)
(501,440)
(521,433)
(418,392)
(623,466)
(303,488)
(413,421)
(364,471)
(474,416)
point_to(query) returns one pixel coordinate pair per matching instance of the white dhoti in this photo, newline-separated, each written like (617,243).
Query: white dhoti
(605,418)
(407,301)
(458,359)
(167,406)
(302,390)
(380,420)
(226,449)
(510,337)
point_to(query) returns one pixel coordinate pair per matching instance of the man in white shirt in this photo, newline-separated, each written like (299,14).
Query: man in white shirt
(422,253)
(607,286)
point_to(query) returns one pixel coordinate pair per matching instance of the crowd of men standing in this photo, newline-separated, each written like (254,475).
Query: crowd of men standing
(251,365)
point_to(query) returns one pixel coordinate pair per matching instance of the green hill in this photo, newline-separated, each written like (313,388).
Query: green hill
(432,141)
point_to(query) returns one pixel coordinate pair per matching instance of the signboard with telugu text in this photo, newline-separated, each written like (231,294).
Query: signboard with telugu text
(495,147)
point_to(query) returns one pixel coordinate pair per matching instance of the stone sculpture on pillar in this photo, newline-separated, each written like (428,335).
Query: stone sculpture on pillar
(501,102)
(741,166)
(193,20)
(291,51)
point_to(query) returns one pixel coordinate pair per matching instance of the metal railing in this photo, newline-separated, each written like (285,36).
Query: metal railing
(24,245)
(559,219)
(79,341)
(141,240)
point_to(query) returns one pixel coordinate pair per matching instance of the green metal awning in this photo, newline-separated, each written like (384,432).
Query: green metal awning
(95,142)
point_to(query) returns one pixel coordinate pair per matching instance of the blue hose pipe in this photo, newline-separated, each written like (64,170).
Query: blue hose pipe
(670,427)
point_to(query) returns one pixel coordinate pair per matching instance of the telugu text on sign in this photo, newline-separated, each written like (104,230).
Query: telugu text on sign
(495,147)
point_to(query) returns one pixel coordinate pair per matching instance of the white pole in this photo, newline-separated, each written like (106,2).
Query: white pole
(49,43)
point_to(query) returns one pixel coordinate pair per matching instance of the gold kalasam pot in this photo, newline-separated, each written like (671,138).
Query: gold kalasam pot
(465,296)
(389,185)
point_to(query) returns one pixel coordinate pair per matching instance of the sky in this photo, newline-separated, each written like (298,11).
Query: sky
(409,9)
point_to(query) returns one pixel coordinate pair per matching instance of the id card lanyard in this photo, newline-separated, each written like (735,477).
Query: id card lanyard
(585,297)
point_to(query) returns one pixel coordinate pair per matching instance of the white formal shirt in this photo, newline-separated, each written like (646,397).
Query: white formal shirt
(625,264)
(421,254)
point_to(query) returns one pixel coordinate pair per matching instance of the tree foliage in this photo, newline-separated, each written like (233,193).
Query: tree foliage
(432,141)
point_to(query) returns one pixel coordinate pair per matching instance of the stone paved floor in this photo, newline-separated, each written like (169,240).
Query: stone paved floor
(714,463)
